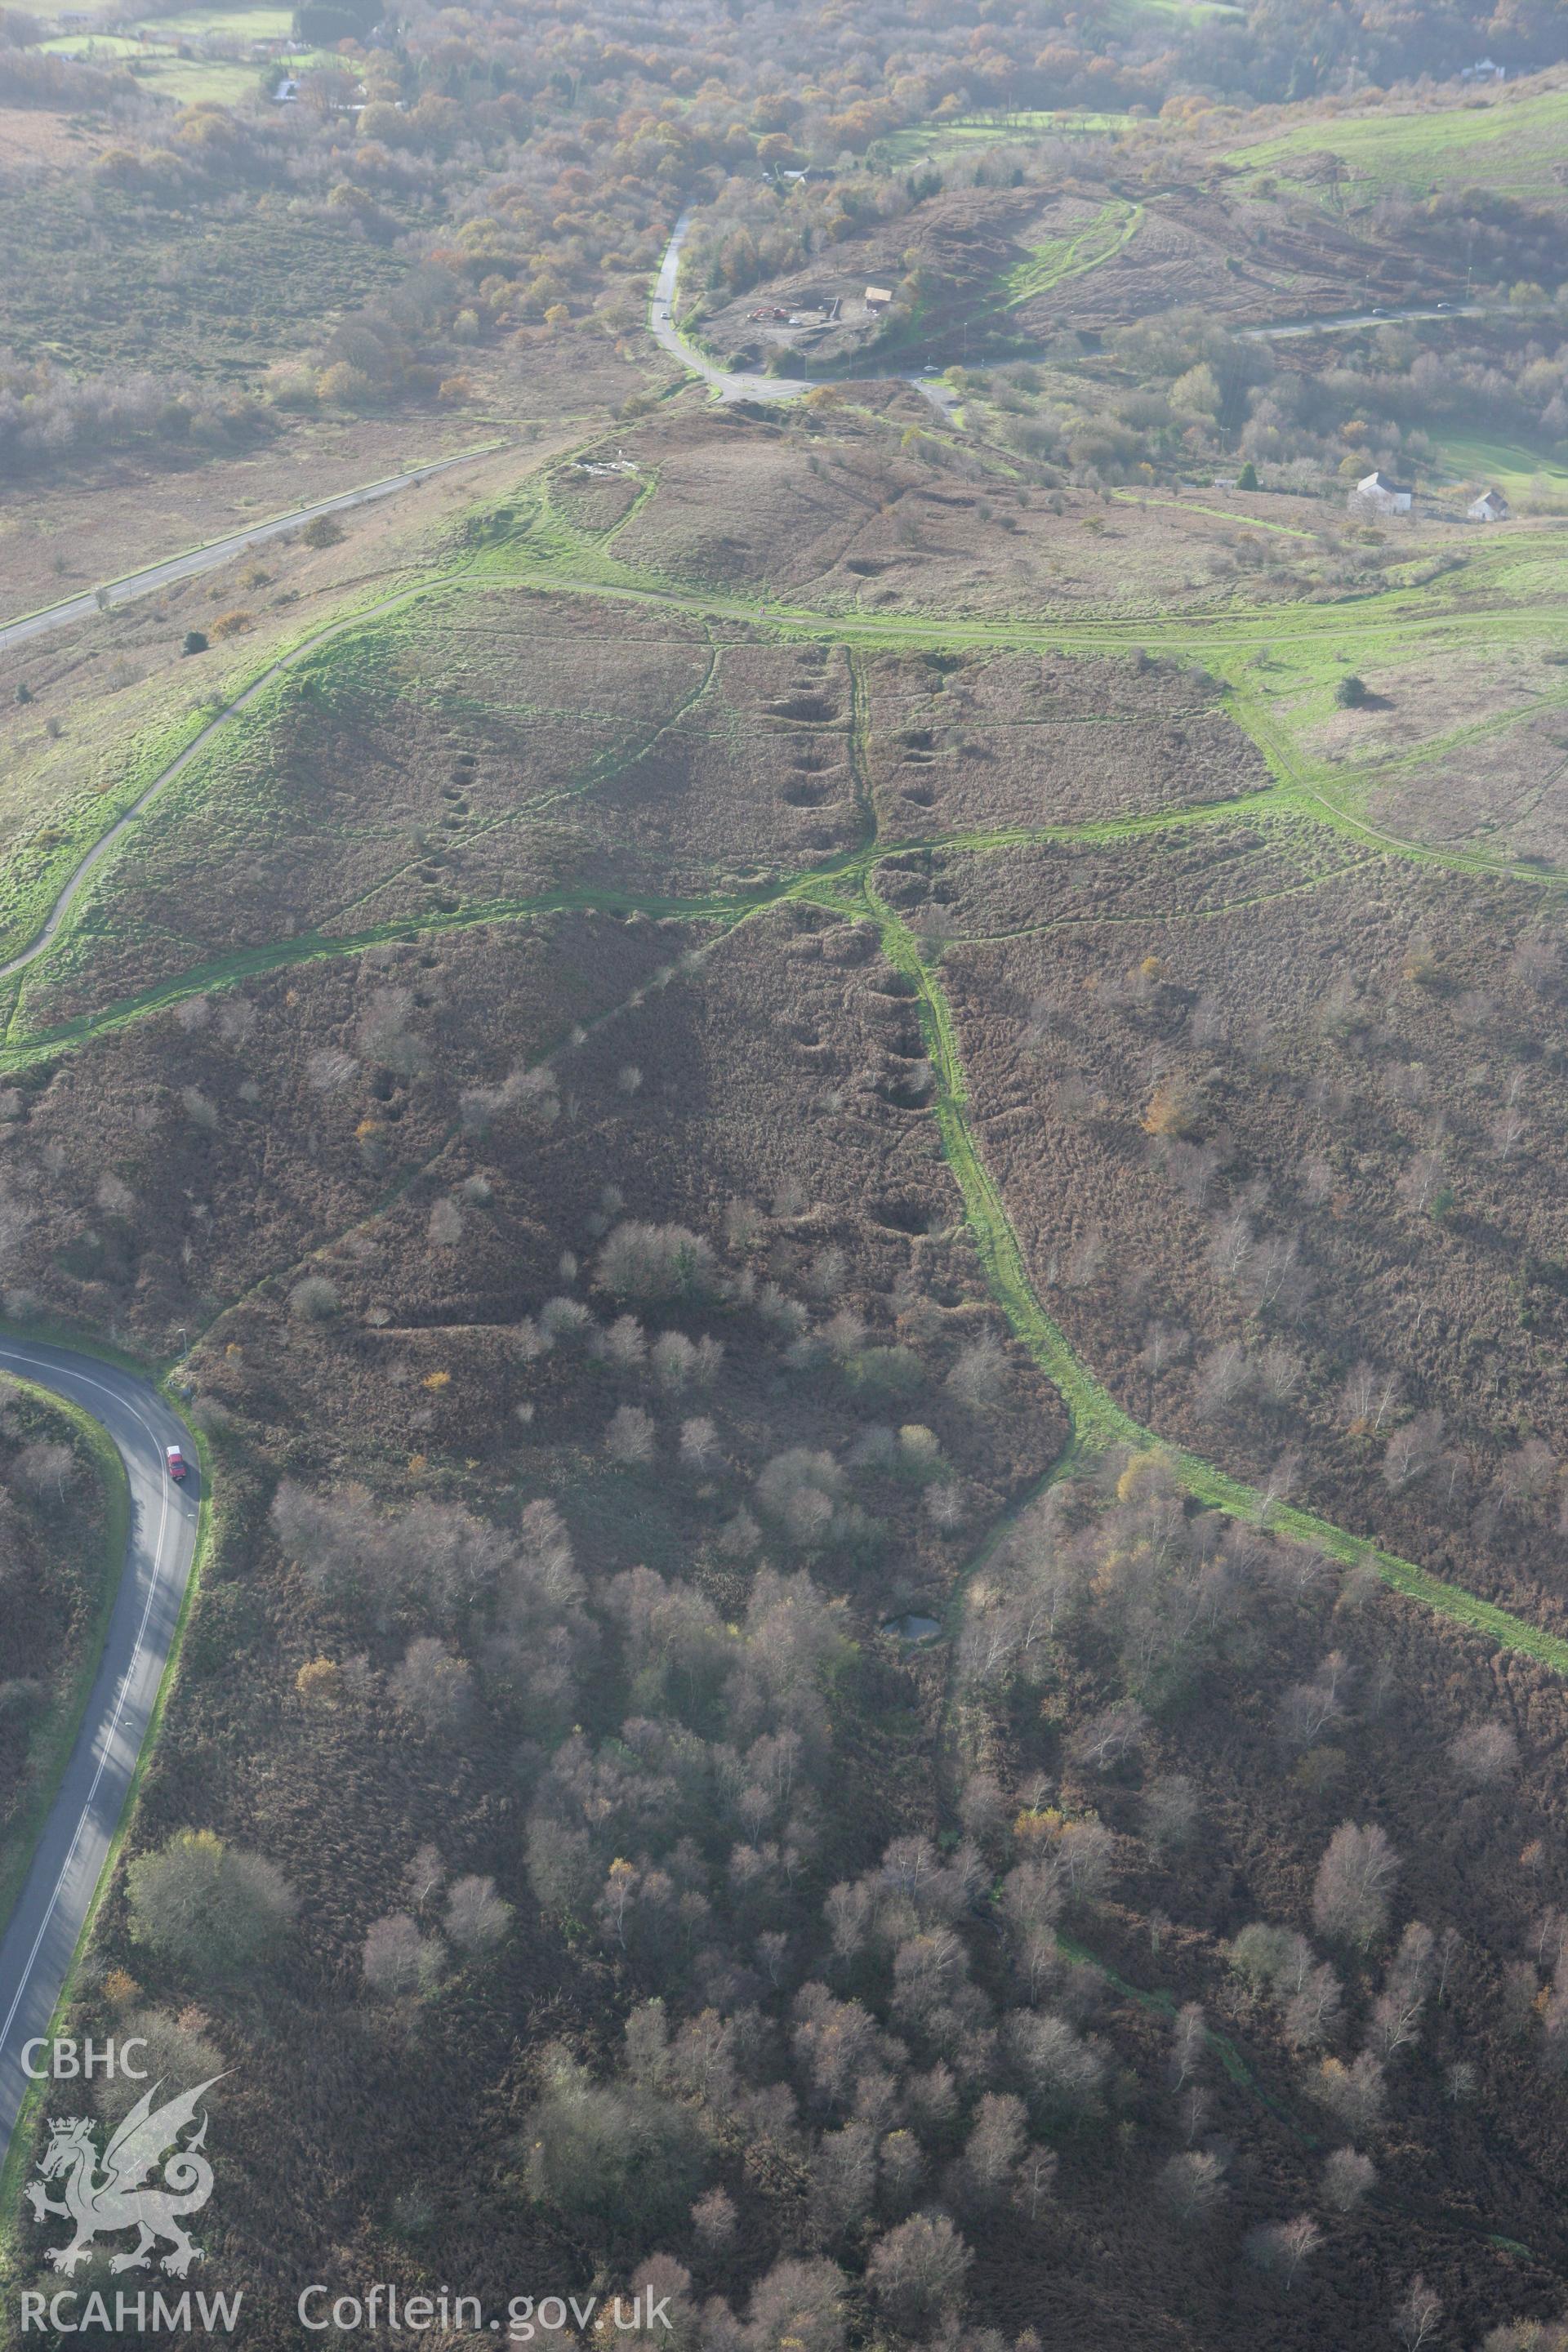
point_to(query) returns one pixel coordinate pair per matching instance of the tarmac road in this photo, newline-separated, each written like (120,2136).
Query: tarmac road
(203,559)
(729,383)
(42,1934)
(1348,320)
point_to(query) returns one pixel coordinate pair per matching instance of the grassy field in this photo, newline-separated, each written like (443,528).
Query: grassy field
(191,80)
(949,143)
(1511,144)
(1522,475)
(101,48)
(224,24)
(260,24)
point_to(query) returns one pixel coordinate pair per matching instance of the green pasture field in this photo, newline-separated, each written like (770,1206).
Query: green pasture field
(191,80)
(101,48)
(940,143)
(1522,475)
(224,24)
(1507,144)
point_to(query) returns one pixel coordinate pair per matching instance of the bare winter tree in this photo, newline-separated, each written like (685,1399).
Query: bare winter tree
(978,1379)
(1537,963)
(434,1684)
(1312,2010)
(1396,2022)
(1309,1710)
(1281,1373)
(699,1447)
(916,2273)
(477,1919)
(1418,2315)
(715,2220)
(984,2178)
(1528,1472)
(1412,1450)
(1485,1756)
(45,1467)
(1189,2044)
(1354,1882)
(1277,1485)
(446,1224)
(397,1960)
(1231,1245)
(1170,1812)
(1355,2095)
(1369,1399)
(426,1875)
(1510,1126)
(673,1359)
(1422,1182)
(743,1224)
(1347,2177)
(626,1343)
(1107,1740)
(629,1438)
(1192,2187)
(1450,1944)
(1163,1346)
(1280,2248)
(1224,1378)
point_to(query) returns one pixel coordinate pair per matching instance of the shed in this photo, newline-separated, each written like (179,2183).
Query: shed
(878,297)
(1490,506)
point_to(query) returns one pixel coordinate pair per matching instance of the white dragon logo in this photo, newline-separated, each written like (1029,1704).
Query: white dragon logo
(101,2203)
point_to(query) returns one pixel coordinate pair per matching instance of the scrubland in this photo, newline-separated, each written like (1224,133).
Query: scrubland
(845,1116)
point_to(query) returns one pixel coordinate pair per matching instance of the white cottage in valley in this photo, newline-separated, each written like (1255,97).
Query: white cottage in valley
(1381,491)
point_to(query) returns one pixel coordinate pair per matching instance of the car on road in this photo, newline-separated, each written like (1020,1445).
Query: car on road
(1445,306)
(176,1461)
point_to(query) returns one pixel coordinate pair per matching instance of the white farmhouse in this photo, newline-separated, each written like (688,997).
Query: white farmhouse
(1379,491)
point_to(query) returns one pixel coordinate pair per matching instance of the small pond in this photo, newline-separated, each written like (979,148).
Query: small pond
(914,1629)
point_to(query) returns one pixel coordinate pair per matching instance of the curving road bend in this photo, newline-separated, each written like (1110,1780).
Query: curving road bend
(729,383)
(740,383)
(218,551)
(41,1936)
